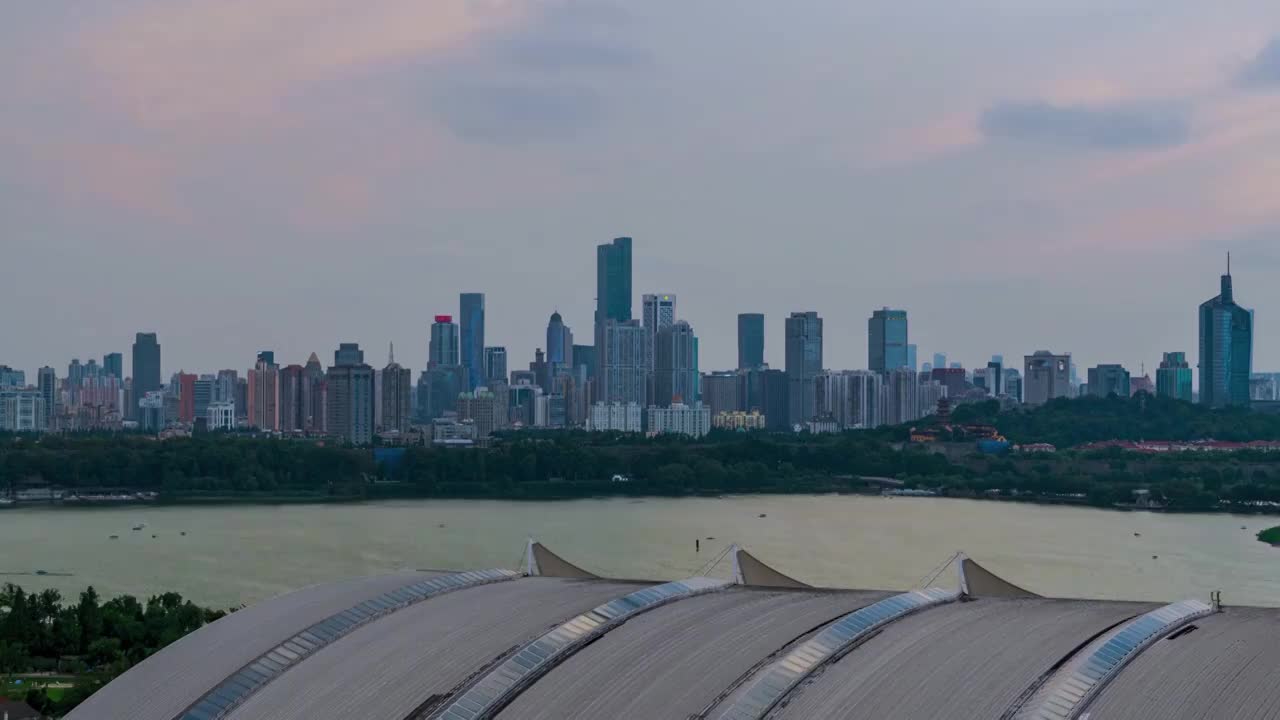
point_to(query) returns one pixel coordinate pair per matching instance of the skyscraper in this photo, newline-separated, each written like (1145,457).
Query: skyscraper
(939,360)
(624,374)
(202,396)
(911,357)
(1046,376)
(349,396)
(445,345)
(1173,377)
(1226,348)
(313,400)
(559,343)
(887,340)
(146,368)
(113,365)
(750,340)
(47,384)
(471,316)
(613,292)
(396,382)
(804,362)
(675,372)
(657,311)
(292,396)
(495,365)
(187,397)
(264,393)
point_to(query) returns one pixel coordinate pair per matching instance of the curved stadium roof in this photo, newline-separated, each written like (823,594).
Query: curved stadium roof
(558,642)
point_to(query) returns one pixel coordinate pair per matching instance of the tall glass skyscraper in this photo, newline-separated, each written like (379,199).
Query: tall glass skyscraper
(146,368)
(804,362)
(750,340)
(1173,377)
(444,348)
(613,293)
(887,340)
(471,306)
(1226,348)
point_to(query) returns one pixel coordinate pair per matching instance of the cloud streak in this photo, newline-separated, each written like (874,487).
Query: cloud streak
(1132,126)
(1264,70)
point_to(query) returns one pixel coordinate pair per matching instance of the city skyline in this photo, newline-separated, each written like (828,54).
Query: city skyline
(979,196)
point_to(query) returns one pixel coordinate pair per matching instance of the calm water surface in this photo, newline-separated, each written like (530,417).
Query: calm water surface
(238,554)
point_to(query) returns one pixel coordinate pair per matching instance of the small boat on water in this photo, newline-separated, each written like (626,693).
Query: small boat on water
(139,526)
(764,515)
(113,537)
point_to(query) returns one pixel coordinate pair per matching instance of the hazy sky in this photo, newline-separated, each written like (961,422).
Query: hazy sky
(287,174)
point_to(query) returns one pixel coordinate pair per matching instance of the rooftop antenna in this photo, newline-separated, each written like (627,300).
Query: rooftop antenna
(391,354)
(1228,262)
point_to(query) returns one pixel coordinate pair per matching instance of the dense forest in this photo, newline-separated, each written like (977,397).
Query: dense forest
(91,639)
(561,464)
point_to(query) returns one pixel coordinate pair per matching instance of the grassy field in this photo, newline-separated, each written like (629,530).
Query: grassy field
(1270,535)
(16,687)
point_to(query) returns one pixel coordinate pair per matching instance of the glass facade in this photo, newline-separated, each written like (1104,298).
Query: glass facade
(1226,350)
(750,340)
(471,307)
(887,340)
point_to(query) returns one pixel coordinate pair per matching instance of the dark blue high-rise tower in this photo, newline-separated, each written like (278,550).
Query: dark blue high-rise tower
(1226,348)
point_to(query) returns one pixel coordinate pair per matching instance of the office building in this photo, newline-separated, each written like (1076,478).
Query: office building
(1226,348)
(445,347)
(47,384)
(738,420)
(887,340)
(396,382)
(1174,377)
(750,340)
(1105,380)
(202,395)
(438,390)
(616,416)
(186,386)
(721,392)
(151,412)
(657,312)
(264,393)
(11,378)
(911,357)
(486,410)
(584,356)
(680,419)
(675,372)
(292,394)
(1013,384)
(313,400)
(146,367)
(495,365)
(613,295)
(221,416)
(113,365)
(349,397)
(803,362)
(954,379)
(471,346)
(1046,376)
(625,370)
(995,378)
(939,360)
(346,354)
(559,344)
(22,410)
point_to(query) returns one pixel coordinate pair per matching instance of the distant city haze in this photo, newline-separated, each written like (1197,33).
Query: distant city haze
(286,175)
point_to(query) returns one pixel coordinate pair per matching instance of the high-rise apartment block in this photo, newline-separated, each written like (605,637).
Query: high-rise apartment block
(396,384)
(1226,348)
(625,372)
(1174,377)
(349,396)
(264,393)
(657,312)
(675,372)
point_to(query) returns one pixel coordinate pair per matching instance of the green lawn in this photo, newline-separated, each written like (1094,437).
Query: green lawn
(12,688)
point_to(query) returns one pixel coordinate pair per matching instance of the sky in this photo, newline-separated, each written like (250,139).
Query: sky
(239,175)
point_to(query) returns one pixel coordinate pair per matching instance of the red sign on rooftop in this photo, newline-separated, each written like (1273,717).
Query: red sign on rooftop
(444,318)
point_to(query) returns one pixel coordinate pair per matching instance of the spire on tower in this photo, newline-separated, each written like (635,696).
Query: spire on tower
(391,354)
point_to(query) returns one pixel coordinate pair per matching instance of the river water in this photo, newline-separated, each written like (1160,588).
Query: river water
(232,555)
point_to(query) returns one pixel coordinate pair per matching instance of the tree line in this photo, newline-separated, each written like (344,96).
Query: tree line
(91,639)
